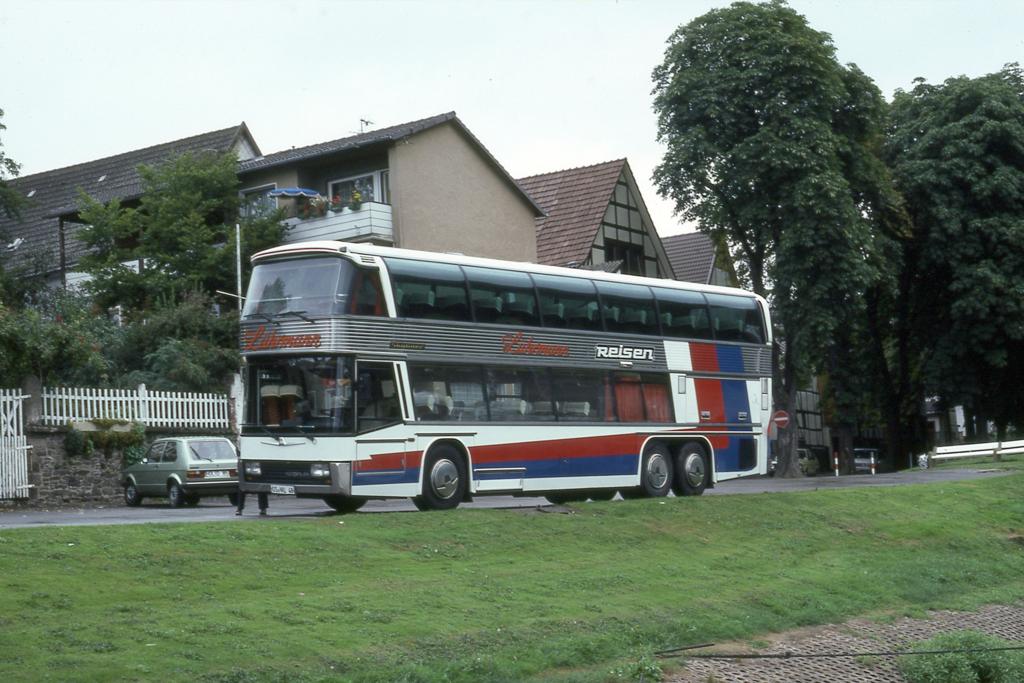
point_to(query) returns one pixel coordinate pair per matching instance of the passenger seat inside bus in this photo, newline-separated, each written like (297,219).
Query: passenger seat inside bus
(575,409)
(270,408)
(553,312)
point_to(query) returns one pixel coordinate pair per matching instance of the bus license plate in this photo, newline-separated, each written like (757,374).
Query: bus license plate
(283,490)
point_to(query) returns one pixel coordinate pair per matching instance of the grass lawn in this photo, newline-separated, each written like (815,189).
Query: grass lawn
(492,595)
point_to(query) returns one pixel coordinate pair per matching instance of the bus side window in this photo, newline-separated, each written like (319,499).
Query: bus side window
(582,396)
(569,302)
(425,289)
(683,313)
(502,296)
(519,394)
(447,392)
(628,308)
(367,295)
(736,318)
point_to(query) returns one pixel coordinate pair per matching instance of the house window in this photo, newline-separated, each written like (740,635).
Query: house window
(385,186)
(631,255)
(256,201)
(343,189)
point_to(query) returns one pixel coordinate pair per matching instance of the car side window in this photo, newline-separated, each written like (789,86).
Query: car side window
(170,452)
(155,451)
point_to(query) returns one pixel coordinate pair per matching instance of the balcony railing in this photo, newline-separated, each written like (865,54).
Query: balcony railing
(371,221)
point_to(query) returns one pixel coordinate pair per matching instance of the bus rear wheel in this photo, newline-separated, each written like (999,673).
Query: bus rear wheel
(344,504)
(691,470)
(656,472)
(444,480)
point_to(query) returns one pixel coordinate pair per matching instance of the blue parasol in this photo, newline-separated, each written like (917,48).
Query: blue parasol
(293,192)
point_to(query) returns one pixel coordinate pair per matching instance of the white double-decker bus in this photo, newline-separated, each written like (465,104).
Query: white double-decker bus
(374,372)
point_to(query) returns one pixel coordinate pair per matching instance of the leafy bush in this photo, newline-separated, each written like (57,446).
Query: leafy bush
(974,666)
(809,466)
(130,443)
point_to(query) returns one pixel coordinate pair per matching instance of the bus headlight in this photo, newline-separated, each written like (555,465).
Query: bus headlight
(252,469)
(319,470)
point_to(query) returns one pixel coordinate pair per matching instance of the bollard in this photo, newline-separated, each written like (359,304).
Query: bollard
(835,462)
(872,465)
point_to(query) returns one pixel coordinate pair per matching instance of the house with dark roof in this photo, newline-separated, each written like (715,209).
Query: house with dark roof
(594,217)
(427,184)
(695,258)
(49,219)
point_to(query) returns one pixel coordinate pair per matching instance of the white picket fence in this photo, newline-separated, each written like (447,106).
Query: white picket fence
(974,450)
(152,408)
(13,446)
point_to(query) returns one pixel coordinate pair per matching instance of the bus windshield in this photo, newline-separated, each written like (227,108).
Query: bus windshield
(302,394)
(313,287)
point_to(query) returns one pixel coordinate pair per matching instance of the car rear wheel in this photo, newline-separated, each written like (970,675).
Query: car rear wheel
(132,497)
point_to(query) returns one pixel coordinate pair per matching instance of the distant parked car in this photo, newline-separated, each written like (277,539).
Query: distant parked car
(183,469)
(862,459)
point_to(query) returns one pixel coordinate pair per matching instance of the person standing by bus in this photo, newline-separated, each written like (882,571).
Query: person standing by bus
(261,499)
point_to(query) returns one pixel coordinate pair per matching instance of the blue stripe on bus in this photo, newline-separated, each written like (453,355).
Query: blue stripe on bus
(730,359)
(736,399)
(579,466)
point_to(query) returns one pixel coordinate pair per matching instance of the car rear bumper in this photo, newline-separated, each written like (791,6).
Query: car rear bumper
(211,488)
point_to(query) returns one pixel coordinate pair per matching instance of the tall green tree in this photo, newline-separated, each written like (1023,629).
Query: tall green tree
(183,231)
(773,147)
(957,153)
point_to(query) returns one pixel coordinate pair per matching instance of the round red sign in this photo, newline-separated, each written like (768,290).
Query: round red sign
(780,418)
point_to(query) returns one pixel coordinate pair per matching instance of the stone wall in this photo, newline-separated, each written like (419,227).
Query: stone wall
(59,479)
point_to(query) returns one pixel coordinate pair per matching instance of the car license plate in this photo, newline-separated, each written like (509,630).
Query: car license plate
(216,474)
(283,490)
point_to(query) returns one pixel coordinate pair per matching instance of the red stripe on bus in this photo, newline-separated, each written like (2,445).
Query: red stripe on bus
(710,400)
(703,357)
(388,462)
(616,444)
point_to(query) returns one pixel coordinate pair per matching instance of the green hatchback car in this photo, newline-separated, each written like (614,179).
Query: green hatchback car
(183,469)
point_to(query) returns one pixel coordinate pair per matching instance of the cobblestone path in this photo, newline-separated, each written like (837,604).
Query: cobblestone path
(858,635)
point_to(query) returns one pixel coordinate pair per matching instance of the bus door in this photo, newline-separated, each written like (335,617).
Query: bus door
(381,454)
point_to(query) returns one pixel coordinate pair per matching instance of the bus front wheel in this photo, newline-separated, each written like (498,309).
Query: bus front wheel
(344,504)
(444,480)
(691,470)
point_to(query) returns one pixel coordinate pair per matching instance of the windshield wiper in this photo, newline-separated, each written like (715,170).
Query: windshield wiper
(264,316)
(297,314)
(193,449)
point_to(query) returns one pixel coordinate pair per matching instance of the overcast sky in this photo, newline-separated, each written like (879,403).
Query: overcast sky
(544,85)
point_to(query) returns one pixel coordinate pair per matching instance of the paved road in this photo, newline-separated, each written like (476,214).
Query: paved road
(219,510)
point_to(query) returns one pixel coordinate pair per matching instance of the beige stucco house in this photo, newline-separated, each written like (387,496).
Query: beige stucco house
(428,184)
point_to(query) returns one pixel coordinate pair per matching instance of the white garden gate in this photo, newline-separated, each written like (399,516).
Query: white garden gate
(13,446)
